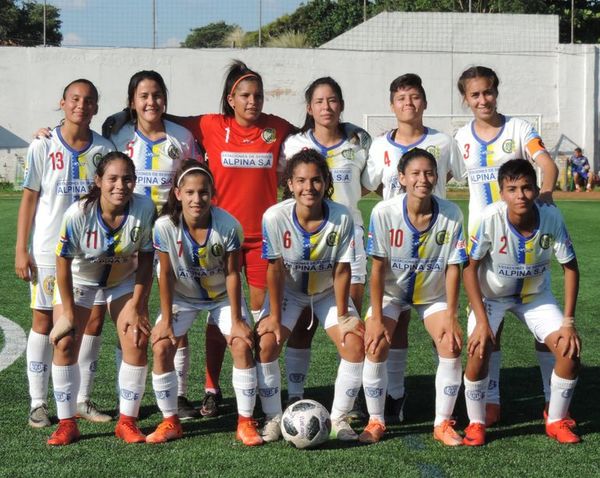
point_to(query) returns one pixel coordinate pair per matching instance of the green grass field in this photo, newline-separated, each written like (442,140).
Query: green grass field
(517,448)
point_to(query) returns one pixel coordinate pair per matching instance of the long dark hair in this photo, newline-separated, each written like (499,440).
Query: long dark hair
(134,82)
(307,156)
(94,193)
(236,71)
(477,72)
(309,120)
(172,207)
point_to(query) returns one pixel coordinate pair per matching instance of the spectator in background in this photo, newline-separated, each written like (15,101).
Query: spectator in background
(580,170)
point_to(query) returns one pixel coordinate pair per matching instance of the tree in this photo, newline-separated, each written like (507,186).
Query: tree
(209,36)
(24,25)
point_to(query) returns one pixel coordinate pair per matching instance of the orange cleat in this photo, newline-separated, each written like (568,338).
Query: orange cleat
(67,432)
(169,429)
(247,432)
(445,433)
(474,435)
(373,432)
(545,415)
(562,431)
(492,414)
(128,431)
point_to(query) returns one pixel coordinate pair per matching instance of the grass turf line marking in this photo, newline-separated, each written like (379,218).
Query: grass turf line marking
(15,342)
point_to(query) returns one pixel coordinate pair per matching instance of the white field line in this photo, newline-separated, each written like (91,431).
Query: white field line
(15,342)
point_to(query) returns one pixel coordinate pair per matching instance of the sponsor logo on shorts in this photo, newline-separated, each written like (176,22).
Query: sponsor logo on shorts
(332,239)
(38,367)
(442,238)
(134,235)
(373,392)
(508,146)
(546,241)
(269,135)
(48,285)
(162,394)
(451,390)
(217,250)
(62,396)
(173,152)
(435,150)
(129,394)
(296,377)
(352,392)
(268,392)
(476,395)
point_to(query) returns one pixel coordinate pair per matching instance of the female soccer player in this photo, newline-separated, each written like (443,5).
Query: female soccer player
(487,142)
(345,148)
(105,249)
(509,270)
(417,245)
(199,253)
(308,241)
(60,169)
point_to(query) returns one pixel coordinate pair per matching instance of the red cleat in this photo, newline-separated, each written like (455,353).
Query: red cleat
(169,429)
(247,432)
(66,433)
(373,432)
(474,435)
(562,431)
(128,431)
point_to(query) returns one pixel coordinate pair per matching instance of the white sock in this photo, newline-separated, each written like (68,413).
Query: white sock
(297,362)
(447,384)
(65,380)
(374,378)
(118,362)
(182,367)
(88,362)
(39,363)
(493,391)
(396,365)
(546,361)
(132,383)
(269,387)
(165,391)
(475,399)
(560,397)
(347,386)
(244,384)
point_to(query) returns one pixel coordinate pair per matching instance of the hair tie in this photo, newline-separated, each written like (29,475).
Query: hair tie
(206,172)
(242,78)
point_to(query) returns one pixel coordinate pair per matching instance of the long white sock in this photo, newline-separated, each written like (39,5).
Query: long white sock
(475,394)
(374,378)
(396,366)
(165,391)
(297,362)
(347,386)
(132,383)
(118,362)
(546,361)
(182,367)
(269,387)
(560,397)
(88,362)
(65,379)
(244,384)
(493,391)
(447,384)
(39,363)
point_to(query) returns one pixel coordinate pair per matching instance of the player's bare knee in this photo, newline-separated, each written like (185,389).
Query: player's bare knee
(162,351)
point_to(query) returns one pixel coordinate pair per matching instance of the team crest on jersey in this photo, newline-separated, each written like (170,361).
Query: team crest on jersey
(546,241)
(434,150)
(332,239)
(173,152)
(442,238)
(96,159)
(269,135)
(348,154)
(134,235)
(48,285)
(508,146)
(216,250)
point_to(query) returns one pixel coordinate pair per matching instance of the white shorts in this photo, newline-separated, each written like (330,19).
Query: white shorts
(293,303)
(219,314)
(542,316)
(392,308)
(359,266)
(87,296)
(42,287)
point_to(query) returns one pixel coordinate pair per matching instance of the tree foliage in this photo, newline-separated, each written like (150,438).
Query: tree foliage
(212,35)
(23,24)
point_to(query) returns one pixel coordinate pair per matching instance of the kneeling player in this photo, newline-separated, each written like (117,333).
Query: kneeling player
(509,270)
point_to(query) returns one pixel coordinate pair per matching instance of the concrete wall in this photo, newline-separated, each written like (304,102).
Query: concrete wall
(561,86)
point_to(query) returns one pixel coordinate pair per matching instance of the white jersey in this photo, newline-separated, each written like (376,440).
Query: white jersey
(61,175)
(105,257)
(346,161)
(517,139)
(385,154)
(514,266)
(156,161)
(416,260)
(199,268)
(308,257)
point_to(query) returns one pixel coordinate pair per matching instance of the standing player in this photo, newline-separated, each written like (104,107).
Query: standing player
(509,271)
(487,142)
(345,148)
(59,170)
(105,248)
(417,245)
(308,241)
(408,102)
(199,247)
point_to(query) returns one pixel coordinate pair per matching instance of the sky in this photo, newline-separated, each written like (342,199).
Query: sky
(128,23)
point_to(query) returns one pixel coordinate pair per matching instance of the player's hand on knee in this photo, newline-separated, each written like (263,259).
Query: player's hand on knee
(64,326)
(375,333)
(240,330)
(350,324)
(481,337)
(269,325)
(572,343)
(451,331)
(162,331)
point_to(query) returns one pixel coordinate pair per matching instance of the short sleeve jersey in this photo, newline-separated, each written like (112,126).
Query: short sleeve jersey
(579,164)
(105,257)
(513,266)
(156,161)
(308,257)
(517,139)
(346,161)
(199,269)
(244,162)
(61,175)
(385,154)
(416,261)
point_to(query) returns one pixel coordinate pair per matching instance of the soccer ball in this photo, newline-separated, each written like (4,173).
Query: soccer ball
(306,424)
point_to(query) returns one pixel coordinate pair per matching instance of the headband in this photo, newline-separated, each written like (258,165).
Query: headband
(241,78)
(196,168)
